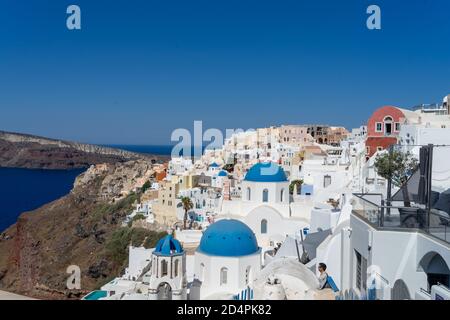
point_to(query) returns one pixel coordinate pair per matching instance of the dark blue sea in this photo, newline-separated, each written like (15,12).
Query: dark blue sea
(156,150)
(28,189)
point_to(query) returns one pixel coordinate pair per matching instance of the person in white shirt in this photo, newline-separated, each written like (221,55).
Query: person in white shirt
(323,277)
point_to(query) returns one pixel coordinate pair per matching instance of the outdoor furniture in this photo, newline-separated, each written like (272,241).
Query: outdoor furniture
(413,218)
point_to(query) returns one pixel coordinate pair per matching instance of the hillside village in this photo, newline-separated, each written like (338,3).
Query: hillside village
(253,219)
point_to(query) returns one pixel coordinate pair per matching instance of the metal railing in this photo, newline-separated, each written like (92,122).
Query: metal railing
(372,209)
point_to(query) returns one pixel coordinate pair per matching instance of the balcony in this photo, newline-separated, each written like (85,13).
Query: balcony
(372,209)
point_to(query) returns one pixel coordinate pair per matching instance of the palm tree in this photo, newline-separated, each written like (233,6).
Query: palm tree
(187,205)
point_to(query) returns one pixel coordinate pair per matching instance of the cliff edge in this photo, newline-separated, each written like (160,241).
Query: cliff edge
(19,150)
(84,228)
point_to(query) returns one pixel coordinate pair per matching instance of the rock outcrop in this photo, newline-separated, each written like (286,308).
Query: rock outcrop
(84,229)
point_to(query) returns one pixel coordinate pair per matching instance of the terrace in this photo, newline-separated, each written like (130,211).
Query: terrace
(422,204)
(395,217)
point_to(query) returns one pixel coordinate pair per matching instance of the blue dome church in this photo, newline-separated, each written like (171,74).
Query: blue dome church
(168,271)
(265,204)
(226,260)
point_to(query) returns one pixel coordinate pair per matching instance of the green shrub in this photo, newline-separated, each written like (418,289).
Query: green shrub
(137,217)
(146,186)
(117,245)
(120,208)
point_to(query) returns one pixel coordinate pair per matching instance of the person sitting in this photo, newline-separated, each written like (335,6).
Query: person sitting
(323,277)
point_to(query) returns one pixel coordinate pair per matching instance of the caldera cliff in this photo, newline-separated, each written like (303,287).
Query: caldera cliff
(84,228)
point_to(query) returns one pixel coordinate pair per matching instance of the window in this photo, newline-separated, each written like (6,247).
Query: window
(378,127)
(379,148)
(265,195)
(223,276)
(176,267)
(326,181)
(164,269)
(247,275)
(263,226)
(388,126)
(282,195)
(397,126)
(202,272)
(361,272)
(249,193)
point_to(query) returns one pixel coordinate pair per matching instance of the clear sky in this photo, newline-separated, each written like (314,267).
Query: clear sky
(139,69)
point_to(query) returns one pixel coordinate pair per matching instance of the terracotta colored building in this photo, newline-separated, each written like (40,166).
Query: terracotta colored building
(383,128)
(324,134)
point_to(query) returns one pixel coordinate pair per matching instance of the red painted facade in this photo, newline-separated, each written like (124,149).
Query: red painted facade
(383,128)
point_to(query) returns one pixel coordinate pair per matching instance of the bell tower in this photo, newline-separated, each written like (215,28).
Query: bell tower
(168,271)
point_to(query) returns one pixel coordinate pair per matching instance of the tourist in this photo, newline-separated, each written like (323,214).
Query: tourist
(323,277)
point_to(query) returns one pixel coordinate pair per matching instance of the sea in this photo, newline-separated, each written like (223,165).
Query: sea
(24,190)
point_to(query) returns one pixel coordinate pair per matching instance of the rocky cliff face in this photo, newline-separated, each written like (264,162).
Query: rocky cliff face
(27,151)
(82,229)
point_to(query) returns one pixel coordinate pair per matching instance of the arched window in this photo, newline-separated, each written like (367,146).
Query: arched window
(164,269)
(248,275)
(223,276)
(249,194)
(282,195)
(263,226)
(176,263)
(326,181)
(388,123)
(265,195)
(202,272)
(400,291)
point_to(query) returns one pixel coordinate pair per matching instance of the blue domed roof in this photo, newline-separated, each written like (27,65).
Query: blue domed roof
(266,172)
(168,246)
(228,238)
(214,165)
(223,173)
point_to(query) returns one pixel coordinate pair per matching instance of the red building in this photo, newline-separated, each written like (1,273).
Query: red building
(383,128)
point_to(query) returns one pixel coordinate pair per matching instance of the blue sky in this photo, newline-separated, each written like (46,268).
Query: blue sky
(139,69)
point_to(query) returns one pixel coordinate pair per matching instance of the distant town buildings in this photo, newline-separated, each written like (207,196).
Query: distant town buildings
(274,202)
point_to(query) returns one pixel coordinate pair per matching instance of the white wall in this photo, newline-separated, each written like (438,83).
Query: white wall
(396,254)
(139,257)
(235,276)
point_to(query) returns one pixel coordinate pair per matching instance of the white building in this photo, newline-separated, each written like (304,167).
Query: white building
(265,204)
(226,260)
(167,278)
(179,166)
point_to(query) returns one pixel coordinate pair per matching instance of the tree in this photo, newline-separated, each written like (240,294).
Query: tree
(146,186)
(397,166)
(187,205)
(293,183)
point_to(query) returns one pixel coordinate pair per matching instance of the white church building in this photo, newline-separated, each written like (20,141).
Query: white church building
(226,261)
(265,204)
